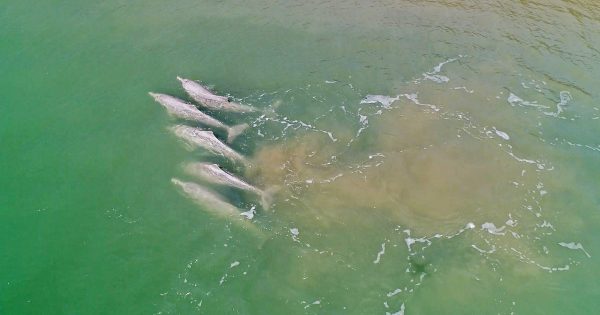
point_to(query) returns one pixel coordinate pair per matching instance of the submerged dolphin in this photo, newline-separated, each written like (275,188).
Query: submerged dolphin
(207,140)
(213,203)
(212,173)
(181,109)
(207,98)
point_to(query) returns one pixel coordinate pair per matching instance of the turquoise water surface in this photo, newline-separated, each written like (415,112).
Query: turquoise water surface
(429,157)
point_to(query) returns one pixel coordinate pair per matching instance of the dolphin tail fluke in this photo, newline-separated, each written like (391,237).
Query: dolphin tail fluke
(266,198)
(235,131)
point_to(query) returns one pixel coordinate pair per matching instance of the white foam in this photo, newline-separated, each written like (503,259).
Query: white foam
(331,179)
(223,279)
(539,164)
(330,135)
(376,155)
(392,293)
(437,78)
(295,232)
(575,246)
(515,100)
(483,251)
(565,98)
(384,100)
(317,302)
(464,88)
(400,312)
(502,134)
(492,229)
(376,261)
(438,68)
(409,241)
(434,76)
(414,98)
(250,213)
(364,122)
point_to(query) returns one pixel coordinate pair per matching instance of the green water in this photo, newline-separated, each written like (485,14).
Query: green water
(393,205)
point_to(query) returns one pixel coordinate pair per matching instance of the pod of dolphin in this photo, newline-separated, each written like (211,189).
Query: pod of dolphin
(195,137)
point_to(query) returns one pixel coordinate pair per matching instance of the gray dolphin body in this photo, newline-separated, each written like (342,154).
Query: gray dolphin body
(210,100)
(212,173)
(213,203)
(179,108)
(207,140)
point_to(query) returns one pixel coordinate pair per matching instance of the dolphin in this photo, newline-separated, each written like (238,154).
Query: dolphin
(213,203)
(212,173)
(181,109)
(204,96)
(207,140)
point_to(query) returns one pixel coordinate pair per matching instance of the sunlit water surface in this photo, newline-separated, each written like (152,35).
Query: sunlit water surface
(429,157)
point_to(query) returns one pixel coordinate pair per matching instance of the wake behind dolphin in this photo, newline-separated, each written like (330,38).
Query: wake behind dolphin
(204,96)
(181,109)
